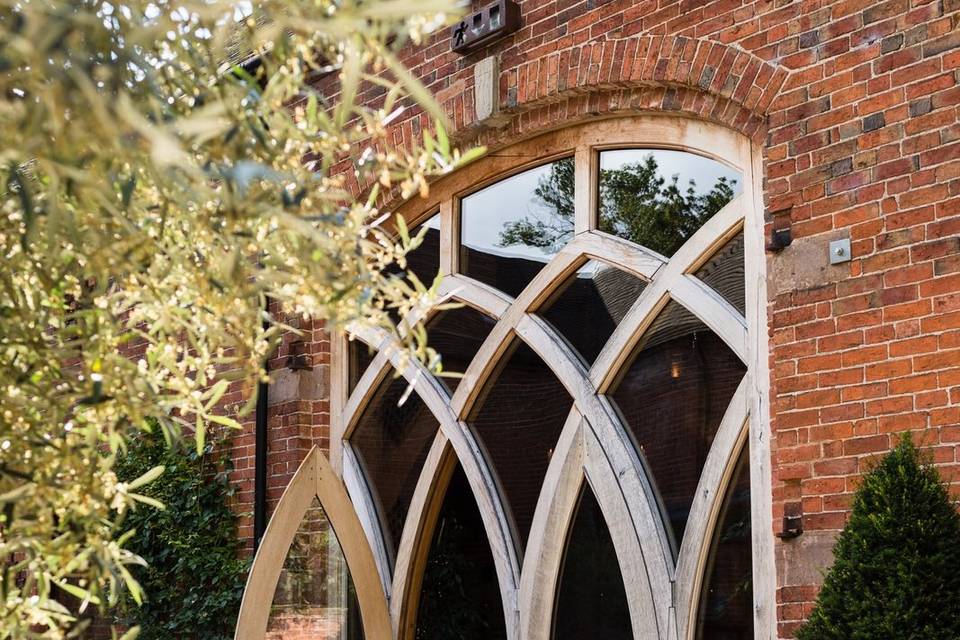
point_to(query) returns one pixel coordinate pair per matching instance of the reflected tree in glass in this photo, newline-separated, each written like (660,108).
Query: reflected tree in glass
(637,203)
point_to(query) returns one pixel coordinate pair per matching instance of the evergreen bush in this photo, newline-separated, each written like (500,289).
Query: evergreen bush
(896,572)
(195,575)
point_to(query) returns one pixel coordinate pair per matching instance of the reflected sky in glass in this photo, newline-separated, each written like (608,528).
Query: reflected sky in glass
(658,199)
(486,213)
(704,171)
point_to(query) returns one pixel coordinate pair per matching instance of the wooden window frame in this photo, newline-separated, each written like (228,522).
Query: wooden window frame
(594,445)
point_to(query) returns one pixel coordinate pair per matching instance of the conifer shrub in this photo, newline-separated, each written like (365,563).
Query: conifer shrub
(896,571)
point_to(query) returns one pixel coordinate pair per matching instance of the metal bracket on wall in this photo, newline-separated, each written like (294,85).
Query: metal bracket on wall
(481,27)
(781,236)
(298,359)
(792,521)
(840,251)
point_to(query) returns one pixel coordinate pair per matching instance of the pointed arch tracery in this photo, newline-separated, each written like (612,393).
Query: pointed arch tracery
(663,579)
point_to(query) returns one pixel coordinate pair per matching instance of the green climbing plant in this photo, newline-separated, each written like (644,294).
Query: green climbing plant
(194,573)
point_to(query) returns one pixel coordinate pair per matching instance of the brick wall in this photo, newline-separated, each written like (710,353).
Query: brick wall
(855,104)
(298,417)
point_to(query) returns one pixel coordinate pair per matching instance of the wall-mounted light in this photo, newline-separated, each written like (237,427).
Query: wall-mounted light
(482,27)
(781,236)
(297,358)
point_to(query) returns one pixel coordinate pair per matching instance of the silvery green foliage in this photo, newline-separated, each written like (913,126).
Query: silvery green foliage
(155,192)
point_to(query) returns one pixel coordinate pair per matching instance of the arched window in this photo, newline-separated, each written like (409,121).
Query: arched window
(600,469)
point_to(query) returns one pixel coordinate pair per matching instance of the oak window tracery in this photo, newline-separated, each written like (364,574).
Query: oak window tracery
(391,441)
(672,396)
(591,602)
(575,303)
(587,308)
(518,420)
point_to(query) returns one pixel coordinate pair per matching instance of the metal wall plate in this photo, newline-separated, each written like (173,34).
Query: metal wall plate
(840,251)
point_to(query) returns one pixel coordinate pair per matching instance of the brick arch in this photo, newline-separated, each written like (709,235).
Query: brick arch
(698,77)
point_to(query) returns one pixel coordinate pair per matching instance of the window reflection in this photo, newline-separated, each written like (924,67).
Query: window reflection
(424,261)
(591,600)
(726,605)
(460,595)
(673,396)
(456,334)
(314,590)
(512,228)
(518,421)
(724,273)
(391,441)
(659,198)
(590,304)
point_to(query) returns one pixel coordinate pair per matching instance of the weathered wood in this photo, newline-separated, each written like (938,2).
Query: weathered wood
(314,478)
(705,509)
(594,445)
(418,531)
(552,518)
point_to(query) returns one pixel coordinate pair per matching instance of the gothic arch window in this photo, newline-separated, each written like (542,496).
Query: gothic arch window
(602,462)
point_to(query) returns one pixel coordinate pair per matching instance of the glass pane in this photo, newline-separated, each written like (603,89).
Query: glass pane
(457,334)
(519,420)
(460,596)
(672,396)
(512,228)
(591,601)
(315,597)
(391,441)
(360,356)
(424,261)
(659,198)
(726,605)
(724,273)
(590,305)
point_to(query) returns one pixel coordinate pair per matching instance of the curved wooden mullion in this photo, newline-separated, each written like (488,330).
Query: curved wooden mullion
(640,492)
(552,518)
(647,595)
(616,352)
(476,294)
(740,204)
(715,312)
(562,360)
(468,453)
(620,253)
(714,233)
(553,274)
(669,278)
(314,478)
(368,513)
(417,536)
(705,510)
(367,385)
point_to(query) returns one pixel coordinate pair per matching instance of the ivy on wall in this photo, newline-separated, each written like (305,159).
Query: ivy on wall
(195,574)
